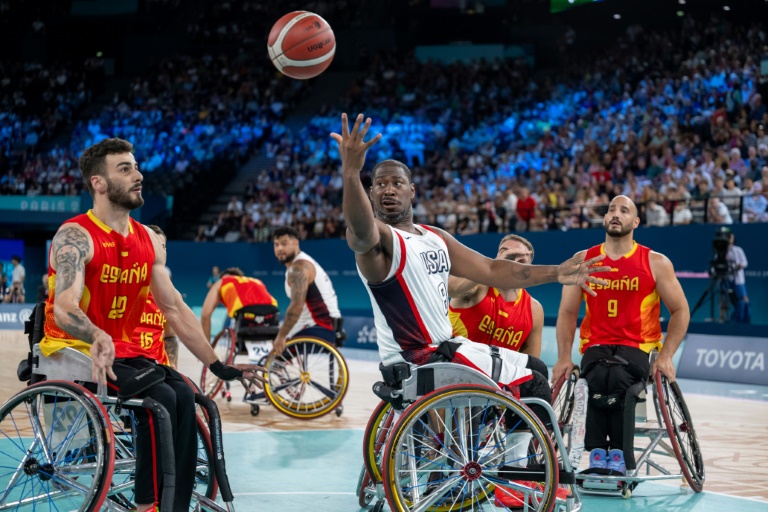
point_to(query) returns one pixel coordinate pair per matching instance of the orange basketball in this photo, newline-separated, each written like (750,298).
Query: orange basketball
(301,45)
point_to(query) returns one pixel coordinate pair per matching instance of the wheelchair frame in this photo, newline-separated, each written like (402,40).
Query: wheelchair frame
(682,445)
(65,373)
(425,384)
(292,371)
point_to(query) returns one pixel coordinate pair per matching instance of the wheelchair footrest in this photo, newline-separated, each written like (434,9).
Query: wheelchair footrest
(591,479)
(534,473)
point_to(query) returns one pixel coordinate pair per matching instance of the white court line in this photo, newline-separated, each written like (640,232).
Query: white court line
(744,392)
(291,493)
(690,493)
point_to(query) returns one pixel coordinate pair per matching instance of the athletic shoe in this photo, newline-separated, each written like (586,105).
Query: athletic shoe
(616,461)
(510,498)
(598,459)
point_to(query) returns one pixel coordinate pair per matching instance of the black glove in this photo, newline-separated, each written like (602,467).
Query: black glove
(225,372)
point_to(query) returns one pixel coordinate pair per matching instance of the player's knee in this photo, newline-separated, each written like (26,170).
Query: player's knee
(537,365)
(536,387)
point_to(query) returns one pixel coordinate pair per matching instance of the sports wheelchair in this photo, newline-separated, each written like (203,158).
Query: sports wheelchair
(308,380)
(66,444)
(445,438)
(671,435)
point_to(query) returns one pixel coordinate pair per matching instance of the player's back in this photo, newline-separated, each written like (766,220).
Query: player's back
(240,291)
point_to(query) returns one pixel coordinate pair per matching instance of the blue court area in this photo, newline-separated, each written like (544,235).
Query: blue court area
(317,470)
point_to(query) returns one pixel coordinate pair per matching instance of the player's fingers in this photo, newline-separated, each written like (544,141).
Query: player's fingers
(365,127)
(111,373)
(336,137)
(589,290)
(600,268)
(355,132)
(601,282)
(344,125)
(373,141)
(594,260)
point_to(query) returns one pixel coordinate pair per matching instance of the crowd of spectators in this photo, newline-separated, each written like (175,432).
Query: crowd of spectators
(675,120)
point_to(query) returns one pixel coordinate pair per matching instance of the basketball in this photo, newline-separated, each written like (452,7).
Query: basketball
(301,45)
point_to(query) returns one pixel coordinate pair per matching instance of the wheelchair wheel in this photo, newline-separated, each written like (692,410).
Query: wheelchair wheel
(562,396)
(55,448)
(375,437)
(679,425)
(308,380)
(451,450)
(224,346)
(366,489)
(121,490)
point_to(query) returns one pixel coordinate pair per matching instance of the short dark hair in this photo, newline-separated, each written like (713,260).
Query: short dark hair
(157,229)
(395,163)
(93,160)
(233,271)
(16,257)
(285,231)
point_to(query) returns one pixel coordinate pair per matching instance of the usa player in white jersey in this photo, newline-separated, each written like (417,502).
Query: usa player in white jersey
(405,268)
(314,309)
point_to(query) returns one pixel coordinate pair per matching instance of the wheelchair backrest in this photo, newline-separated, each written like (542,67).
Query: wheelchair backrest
(257,322)
(429,377)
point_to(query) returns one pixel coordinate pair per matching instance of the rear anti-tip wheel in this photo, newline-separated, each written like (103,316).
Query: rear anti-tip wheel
(254,409)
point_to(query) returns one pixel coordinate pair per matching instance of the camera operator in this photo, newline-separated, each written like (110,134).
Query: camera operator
(737,261)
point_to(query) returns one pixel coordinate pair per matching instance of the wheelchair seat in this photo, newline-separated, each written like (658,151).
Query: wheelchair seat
(65,364)
(257,322)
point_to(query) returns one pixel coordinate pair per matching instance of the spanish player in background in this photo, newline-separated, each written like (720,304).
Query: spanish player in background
(153,333)
(235,291)
(506,318)
(102,265)
(621,326)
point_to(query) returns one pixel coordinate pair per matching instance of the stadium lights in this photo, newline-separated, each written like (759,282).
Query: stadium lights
(617,16)
(726,7)
(681,2)
(681,13)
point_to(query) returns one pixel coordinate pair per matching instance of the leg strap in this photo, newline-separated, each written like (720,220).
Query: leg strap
(496,358)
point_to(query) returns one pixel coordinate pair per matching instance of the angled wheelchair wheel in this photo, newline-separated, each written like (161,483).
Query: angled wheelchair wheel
(122,487)
(679,425)
(55,449)
(451,450)
(562,396)
(224,346)
(375,437)
(308,380)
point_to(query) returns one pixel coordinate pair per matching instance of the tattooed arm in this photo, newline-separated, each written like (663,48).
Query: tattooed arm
(171,346)
(71,250)
(509,274)
(299,276)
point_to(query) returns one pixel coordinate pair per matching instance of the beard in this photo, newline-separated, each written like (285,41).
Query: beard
(122,198)
(625,230)
(395,217)
(288,258)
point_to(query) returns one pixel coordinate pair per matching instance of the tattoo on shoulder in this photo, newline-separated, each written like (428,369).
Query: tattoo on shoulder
(297,279)
(69,249)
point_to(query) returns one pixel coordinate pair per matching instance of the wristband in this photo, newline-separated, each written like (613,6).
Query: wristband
(225,372)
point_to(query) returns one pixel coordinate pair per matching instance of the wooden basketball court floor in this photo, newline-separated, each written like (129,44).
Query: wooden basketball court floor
(276,463)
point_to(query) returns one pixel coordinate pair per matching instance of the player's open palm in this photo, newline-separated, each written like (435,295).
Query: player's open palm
(352,145)
(576,272)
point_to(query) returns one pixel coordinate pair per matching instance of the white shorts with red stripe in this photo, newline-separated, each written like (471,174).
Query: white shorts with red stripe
(478,356)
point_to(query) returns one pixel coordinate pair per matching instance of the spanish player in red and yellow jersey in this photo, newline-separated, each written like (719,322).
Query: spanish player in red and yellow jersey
(150,332)
(235,291)
(510,319)
(103,265)
(621,322)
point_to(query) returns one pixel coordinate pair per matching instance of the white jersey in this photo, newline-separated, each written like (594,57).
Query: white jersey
(410,307)
(321,304)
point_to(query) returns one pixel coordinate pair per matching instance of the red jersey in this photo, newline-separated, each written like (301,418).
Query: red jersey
(149,333)
(494,321)
(115,289)
(626,312)
(237,292)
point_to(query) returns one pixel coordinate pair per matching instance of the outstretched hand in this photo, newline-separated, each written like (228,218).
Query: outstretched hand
(352,145)
(253,375)
(575,272)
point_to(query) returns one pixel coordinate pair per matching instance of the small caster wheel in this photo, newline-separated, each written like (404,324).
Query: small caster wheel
(254,409)
(339,411)
(626,492)
(378,507)
(229,396)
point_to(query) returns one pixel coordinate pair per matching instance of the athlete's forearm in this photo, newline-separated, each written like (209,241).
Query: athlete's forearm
(188,329)
(75,322)
(565,331)
(510,274)
(676,329)
(358,214)
(292,315)
(172,349)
